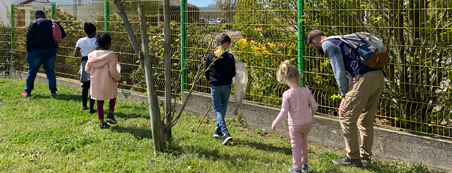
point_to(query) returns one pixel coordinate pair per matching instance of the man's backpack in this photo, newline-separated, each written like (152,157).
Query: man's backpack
(56,32)
(370,48)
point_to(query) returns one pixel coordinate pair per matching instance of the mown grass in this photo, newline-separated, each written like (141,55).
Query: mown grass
(46,134)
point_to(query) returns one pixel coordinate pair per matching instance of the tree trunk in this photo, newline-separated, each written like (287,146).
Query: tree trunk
(146,64)
(159,140)
(167,50)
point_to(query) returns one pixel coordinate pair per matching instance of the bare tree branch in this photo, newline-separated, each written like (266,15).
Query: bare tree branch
(125,22)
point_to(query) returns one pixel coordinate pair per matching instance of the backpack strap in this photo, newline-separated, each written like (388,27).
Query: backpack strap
(340,37)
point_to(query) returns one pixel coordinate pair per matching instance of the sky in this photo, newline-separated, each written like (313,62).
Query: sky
(201,3)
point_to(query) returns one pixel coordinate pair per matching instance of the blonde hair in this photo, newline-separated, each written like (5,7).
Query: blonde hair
(287,71)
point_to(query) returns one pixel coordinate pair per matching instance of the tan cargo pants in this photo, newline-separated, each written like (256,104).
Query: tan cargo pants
(361,102)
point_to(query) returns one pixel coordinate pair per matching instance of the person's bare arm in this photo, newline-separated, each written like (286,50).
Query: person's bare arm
(77,52)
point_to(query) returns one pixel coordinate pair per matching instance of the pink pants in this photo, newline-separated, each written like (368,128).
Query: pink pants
(298,139)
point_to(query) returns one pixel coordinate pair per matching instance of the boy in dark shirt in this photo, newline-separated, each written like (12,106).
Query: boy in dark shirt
(220,75)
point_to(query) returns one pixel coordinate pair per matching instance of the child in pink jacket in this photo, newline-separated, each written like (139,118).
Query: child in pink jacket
(299,103)
(105,77)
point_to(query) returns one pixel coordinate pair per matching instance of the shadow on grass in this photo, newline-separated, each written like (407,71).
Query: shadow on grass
(141,108)
(397,167)
(131,115)
(325,159)
(139,133)
(211,153)
(217,154)
(65,97)
(262,146)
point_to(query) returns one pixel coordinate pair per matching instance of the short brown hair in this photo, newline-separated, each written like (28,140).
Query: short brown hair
(313,34)
(222,38)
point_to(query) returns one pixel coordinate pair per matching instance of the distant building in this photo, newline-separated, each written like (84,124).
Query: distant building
(212,11)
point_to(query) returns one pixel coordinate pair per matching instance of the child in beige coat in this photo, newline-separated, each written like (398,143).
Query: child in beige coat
(105,77)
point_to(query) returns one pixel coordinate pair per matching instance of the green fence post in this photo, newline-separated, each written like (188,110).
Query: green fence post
(182,45)
(53,7)
(107,15)
(13,25)
(301,41)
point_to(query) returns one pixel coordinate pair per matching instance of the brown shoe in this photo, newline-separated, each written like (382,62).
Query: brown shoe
(53,94)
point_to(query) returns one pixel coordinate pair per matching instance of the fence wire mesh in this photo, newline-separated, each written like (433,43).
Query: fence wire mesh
(5,49)
(417,35)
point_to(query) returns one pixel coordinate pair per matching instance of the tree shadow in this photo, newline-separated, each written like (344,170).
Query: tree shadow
(139,133)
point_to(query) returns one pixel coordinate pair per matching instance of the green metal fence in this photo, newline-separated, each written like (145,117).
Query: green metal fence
(103,14)
(5,48)
(417,35)
(265,33)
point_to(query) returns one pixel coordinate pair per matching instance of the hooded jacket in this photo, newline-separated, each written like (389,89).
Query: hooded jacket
(101,66)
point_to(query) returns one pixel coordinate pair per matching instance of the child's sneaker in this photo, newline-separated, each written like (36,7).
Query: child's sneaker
(111,118)
(84,108)
(304,169)
(92,111)
(291,170)
(25,94)
(104,125)
(217,134)
(226,137)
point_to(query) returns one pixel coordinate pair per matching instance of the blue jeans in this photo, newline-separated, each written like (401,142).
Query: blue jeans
(47,58)
(220,97)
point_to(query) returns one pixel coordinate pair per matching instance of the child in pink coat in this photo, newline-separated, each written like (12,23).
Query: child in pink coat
(299,104)
(105,77)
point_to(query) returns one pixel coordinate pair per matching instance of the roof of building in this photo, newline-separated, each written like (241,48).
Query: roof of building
(27,2)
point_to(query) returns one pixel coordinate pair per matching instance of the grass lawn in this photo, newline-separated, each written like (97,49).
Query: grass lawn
(46,134)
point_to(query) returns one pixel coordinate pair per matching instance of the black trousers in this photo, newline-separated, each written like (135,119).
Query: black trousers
(85,91)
